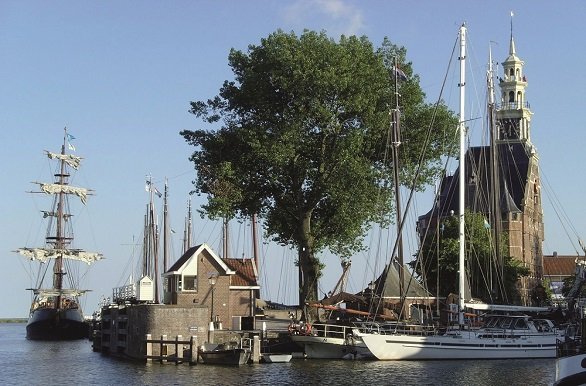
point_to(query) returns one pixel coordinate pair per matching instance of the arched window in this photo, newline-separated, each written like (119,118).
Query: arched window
(518,74)
(511,96)
(512,72)
(520,98)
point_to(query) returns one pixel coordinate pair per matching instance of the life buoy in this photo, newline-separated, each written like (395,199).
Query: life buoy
(305,329)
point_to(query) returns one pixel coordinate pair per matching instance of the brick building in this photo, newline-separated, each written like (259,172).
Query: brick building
(226,286)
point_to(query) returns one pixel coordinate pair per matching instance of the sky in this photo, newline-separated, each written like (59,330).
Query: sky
(120,76)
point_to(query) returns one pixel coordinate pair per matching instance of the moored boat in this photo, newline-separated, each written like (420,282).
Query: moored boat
(329,341)
(224,354)
(501,336)
(55,312)
(276,358)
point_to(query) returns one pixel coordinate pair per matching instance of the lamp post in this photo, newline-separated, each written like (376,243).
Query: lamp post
(212,280)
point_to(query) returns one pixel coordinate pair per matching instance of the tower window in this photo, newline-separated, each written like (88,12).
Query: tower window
(512,72)
(511,96)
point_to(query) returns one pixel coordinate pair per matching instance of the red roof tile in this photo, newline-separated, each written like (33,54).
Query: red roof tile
(559,265)
(245,272)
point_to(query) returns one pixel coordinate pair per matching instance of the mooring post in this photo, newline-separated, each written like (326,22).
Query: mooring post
(179,349)
(149,347)
(255,349)
(163,349)
(192,347)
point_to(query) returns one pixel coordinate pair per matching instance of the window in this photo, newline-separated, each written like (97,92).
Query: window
(190,283)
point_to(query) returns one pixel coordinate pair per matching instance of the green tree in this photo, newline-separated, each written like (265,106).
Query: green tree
(301,141)
(437,264)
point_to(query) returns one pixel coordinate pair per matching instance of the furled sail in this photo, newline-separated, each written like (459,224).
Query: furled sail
(44,254)
(56,292)
(70,159)
(82,193)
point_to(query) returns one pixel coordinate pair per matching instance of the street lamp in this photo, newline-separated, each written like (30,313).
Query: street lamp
(212,280)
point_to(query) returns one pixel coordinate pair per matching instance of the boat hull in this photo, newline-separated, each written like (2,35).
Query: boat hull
(53,324)
(276,358)
(463,346)
(233,357)
(319,347)
(570,370)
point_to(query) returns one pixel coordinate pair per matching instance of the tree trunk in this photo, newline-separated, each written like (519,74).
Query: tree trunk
(309,271)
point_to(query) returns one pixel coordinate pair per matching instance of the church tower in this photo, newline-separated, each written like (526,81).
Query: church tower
(503,185)
(513,119)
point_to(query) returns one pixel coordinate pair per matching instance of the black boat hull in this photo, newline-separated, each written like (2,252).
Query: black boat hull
(53,324)
(233,357)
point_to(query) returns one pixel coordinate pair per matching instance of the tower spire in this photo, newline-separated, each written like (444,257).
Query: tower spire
(512,43)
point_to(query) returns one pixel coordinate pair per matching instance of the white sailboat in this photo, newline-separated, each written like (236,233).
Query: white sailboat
(55,312)
(501,336)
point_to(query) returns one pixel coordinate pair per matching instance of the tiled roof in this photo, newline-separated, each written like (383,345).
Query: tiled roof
(559,265)
(245,272)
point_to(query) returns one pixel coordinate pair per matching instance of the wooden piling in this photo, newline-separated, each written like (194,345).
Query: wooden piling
(256,349)
(179,349)
(149,347)
(193,352)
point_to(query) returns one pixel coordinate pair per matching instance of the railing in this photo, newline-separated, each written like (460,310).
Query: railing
(397,328)
(513,105)
(127,292)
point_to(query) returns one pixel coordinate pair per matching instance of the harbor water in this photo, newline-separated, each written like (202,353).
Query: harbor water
(24,362)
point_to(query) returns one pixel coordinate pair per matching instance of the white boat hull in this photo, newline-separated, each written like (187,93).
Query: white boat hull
(570,370)
(464,346)
(277,358)
(319,347)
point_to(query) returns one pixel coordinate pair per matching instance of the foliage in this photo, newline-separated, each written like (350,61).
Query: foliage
(490,280)
(303,141)
(567,285)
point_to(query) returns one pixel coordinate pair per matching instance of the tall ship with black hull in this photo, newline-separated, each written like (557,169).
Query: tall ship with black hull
(55,312)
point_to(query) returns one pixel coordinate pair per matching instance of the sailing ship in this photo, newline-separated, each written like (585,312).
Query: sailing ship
(501,335)
(55,312)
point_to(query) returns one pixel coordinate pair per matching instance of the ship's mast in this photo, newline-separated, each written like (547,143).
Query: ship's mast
(59,242)
(462,176)
(396,142)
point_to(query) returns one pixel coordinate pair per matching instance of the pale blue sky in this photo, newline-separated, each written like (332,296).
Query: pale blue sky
(120,75)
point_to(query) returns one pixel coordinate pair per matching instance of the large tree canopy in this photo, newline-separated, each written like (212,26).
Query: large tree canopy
(303,141)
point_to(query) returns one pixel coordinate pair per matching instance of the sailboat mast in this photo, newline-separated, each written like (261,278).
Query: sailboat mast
(255,243)
(462,176)
(165,229)
(495,211)
(396,142)
(60,231)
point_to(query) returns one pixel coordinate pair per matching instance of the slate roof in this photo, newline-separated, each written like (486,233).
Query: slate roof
(183,259)
(513,172)
(219,262)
